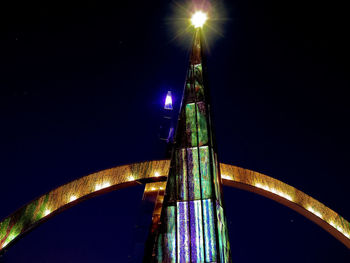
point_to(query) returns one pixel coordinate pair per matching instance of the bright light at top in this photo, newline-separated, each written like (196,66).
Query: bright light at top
(198,19)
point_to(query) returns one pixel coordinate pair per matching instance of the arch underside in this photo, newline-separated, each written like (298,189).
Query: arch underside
(46,206)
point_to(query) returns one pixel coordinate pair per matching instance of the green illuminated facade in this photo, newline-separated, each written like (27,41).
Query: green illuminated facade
(192,225)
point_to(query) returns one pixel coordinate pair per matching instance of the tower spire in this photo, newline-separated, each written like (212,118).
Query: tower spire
(192,226)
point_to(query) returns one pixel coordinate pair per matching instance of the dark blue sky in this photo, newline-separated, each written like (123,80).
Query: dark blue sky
(81,87)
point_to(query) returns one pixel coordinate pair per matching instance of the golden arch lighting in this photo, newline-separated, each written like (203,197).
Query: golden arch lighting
(275,191)
(314,212)
(102,186)
(198,19)
(131,178)
(331,221)
(224,176)
(72,198)
(47,212)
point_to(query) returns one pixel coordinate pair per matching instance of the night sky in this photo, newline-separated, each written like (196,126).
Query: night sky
(82,85)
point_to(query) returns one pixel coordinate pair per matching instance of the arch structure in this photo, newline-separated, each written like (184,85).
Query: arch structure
(289,196)
(50,204)
(46,206)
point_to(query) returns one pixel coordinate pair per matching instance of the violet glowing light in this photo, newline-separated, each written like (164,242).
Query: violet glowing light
(168,101)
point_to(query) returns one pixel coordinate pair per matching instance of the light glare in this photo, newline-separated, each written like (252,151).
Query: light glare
(314,212)
(47,211)
(5,244)
(198,19)
(131,178)
(101,186)
(224,176)
(275,191)
(105,185)
(168,101)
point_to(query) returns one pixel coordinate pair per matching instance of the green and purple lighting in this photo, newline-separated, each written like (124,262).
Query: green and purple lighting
(192,224)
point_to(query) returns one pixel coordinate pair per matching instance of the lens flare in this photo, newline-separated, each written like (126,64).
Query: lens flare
(198,19)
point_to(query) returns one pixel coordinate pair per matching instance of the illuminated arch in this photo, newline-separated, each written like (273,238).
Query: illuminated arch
(46,206)
(41,209)
(289,196)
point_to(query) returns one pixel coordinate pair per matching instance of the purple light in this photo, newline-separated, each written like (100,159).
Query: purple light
(168,101)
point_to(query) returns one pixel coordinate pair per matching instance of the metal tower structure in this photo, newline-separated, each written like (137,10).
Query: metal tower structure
(192,225)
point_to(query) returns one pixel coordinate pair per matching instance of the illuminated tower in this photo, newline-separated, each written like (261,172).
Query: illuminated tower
(182,193)
(192,225)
